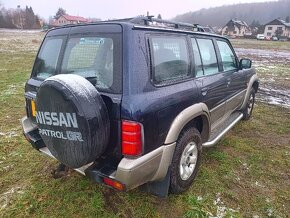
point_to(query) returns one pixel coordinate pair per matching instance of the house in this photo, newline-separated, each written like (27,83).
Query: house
(68,19)
(236,28)
(277,28)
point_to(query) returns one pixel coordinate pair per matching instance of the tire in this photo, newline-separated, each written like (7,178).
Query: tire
(179,179)
(248,110)
(73,119)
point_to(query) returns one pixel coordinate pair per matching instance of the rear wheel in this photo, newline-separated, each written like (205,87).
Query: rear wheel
(186,160)
(248,110)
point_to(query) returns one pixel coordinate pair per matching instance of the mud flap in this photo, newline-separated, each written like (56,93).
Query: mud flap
(158,188)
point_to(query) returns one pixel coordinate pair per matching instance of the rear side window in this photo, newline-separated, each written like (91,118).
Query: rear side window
(170,59)
(197,59)
(208,56)
(229,61)
(46,62)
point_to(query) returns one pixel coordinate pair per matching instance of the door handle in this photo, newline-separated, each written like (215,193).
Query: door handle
(204,91)
(229,81)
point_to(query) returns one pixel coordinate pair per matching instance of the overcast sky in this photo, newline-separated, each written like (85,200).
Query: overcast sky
(118,8)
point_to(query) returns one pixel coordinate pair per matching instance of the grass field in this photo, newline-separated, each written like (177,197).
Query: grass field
(246,175)
(261,44)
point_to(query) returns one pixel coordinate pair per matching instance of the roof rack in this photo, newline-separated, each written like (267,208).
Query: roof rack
(151,21)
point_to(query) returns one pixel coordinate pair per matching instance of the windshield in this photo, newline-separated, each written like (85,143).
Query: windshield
(95,57)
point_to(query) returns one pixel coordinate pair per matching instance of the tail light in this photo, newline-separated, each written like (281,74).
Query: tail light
(132,138)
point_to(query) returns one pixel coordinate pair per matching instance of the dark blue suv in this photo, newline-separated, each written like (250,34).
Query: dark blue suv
(130,103)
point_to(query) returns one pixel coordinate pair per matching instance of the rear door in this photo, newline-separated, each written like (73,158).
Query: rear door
(211,82)
(91,51)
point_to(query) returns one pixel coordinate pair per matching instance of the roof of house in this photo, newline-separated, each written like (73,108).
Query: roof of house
(278,22)
(237,23)
(75,18)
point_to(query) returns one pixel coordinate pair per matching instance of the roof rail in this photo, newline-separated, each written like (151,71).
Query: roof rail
(151,21)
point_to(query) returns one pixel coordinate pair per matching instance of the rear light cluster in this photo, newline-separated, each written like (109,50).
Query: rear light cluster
(132,138)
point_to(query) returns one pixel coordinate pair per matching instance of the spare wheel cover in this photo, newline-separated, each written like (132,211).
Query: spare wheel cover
(73,119)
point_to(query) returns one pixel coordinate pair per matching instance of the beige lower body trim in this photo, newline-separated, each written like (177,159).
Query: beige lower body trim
(150,167)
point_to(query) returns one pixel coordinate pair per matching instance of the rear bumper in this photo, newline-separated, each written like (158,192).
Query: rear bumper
(130,172)
(30,131)
(150,167)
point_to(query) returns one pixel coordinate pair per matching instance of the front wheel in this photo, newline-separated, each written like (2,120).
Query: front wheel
(186,160)
(248,110)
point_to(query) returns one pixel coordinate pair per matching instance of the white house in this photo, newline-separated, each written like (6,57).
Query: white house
(68,19)
(236,28)
(277,27)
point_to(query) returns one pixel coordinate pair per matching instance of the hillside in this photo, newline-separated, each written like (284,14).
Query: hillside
(262,12)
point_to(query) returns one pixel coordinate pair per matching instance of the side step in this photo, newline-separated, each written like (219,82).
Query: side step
(219,132)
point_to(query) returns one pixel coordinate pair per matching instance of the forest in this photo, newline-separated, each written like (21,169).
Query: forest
(252,13)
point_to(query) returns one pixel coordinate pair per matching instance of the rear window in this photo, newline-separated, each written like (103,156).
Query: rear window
(90,57)
(95,57)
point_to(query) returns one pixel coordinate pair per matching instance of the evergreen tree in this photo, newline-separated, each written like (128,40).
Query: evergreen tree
(2,21)
(29,18)
(59,13)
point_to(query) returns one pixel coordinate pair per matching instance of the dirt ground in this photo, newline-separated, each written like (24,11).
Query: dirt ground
(273,69)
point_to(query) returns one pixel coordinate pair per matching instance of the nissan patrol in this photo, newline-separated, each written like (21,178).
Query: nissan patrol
(133,102)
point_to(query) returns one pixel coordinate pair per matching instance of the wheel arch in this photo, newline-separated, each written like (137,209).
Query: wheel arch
(253,83)
(196,116)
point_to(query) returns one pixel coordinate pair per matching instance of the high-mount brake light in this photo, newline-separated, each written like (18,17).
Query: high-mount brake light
(132,135)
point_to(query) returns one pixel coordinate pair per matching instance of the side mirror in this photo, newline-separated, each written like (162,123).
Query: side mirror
(245,64)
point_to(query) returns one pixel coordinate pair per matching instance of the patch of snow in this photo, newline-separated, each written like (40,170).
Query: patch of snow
(265,54)
(274,96)
(7,168)
(9,134)
(199,198)
(245,165)
(259,185)
(6,197)
(270,212)
(12,134)
(221,210)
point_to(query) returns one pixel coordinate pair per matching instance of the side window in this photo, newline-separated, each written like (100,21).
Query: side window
(197,59)
(208,56)
(170,59)
(46,61)
(228,58)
